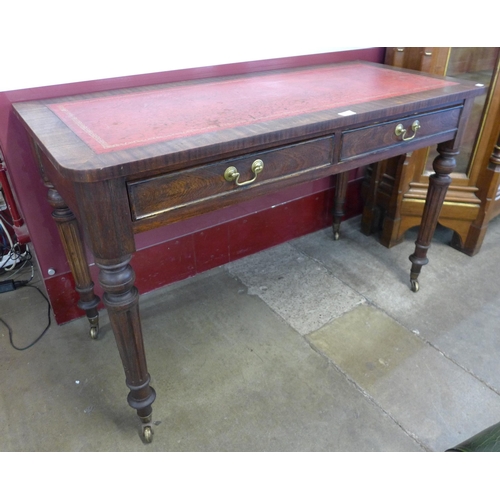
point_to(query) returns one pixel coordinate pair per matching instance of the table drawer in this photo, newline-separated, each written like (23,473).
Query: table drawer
(215,187)
(391,134)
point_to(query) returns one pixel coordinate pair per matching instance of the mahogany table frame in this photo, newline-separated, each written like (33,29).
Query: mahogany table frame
(114,194)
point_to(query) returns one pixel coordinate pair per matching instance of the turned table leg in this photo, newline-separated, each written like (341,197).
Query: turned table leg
(443,165)
(121,299)
(69,233)
(341,182)
(105,217)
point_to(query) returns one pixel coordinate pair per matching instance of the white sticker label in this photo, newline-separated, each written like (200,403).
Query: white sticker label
(347,113)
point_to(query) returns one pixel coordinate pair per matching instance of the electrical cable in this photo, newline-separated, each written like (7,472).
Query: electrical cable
(19,258)
(15,253)
(7,234)
(11,334)
(24,258)
(12,266)
(5,221)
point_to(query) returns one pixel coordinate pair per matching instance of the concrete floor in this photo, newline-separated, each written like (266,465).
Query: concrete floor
(313,345)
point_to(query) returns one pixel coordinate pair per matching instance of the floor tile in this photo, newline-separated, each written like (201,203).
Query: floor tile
(302,291)
(427,394)
(458,302)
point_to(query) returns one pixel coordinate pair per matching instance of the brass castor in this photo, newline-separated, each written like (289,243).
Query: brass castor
(414,286)
(147,434)
(147,430)
(94,328)
(94,332)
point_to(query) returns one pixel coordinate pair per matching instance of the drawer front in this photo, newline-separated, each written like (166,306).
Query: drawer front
(385,135)
(207,184)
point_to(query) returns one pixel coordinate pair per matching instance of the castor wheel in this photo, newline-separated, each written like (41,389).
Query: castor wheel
(147,434)
(414,286)
(94,332)
(147,430)
(94,328)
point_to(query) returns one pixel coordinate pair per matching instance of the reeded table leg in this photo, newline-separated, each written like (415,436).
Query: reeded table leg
(122,301)
(443,165)
(69,233)
(341,182)
(104,213)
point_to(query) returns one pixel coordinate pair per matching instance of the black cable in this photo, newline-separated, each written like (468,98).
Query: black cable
(41,335)
(10,285)
(22,259)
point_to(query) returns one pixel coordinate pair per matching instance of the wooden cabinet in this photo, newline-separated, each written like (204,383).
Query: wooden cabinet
(394,197)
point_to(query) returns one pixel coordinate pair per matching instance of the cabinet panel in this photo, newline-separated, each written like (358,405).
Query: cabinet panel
(393,201)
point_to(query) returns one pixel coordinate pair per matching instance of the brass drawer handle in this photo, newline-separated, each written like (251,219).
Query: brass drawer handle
(232,175)
(401,131)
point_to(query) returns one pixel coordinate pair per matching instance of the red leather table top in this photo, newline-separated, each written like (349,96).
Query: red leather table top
(127,120)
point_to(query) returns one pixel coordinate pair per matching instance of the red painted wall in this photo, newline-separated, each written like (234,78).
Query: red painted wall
(181,250)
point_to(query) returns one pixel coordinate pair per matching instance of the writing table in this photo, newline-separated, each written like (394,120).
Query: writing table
(121,162)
